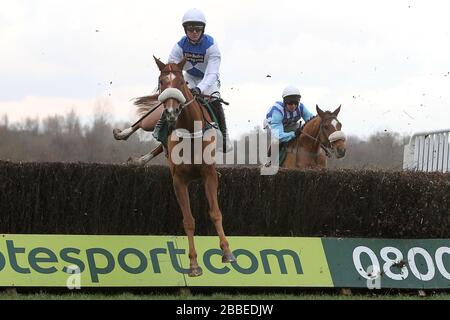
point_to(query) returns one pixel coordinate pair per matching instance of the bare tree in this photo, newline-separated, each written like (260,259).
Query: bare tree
(64,139)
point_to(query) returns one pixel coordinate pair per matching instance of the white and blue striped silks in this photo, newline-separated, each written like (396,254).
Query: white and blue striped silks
(278,117)
(203,62)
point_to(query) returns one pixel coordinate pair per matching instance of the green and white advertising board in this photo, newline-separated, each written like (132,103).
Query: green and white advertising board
(162,261)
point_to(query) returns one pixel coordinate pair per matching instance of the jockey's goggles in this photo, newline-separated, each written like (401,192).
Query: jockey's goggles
(290,101)
(195,28)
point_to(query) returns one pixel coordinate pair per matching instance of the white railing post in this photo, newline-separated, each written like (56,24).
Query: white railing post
(428,151)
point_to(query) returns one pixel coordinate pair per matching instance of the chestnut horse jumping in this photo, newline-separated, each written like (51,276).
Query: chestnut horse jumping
(181,110)
(320,137)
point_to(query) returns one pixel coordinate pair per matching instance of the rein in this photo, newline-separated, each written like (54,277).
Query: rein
(327,149)
(199,133)
(186,104)
(182,105)
(190,135)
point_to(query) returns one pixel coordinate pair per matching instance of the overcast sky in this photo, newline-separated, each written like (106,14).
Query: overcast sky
(386,62)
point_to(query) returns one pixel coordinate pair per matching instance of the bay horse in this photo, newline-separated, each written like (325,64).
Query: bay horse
(182,116)
(319,137)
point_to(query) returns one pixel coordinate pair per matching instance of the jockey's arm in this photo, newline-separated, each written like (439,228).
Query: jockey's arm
(278,129)
(213,58)
(307,115)
(176,55)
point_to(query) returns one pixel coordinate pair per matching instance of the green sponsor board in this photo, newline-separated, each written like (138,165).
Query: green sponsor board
(92,261)
(158,261)
(389,263)
(261,261)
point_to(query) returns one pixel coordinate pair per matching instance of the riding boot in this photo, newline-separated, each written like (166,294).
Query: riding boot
(220,114)
(161,122)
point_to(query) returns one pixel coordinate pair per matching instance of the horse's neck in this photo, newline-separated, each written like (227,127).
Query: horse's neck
(309,139)
(191,113)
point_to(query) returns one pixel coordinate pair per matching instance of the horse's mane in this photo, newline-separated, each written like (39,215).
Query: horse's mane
(326,112)
(309,121)
(302,127)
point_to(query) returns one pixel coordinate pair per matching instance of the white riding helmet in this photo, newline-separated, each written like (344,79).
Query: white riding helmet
(194,15)
(290,91)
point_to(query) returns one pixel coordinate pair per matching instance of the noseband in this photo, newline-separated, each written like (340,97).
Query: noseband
(335,136)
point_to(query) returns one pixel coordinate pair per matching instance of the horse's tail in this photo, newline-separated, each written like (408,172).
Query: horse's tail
(145,103)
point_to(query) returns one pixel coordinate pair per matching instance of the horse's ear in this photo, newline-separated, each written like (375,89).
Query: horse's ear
(160,64)
(336,112)
(319,111)
(181,63)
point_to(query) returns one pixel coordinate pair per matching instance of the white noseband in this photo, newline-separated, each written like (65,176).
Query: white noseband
(171,93)
(337,135)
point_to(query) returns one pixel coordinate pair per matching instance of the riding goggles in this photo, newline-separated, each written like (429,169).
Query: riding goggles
(296,102)
(195,28)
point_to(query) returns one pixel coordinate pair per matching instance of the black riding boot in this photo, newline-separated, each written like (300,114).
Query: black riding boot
(161,123)
(220,114)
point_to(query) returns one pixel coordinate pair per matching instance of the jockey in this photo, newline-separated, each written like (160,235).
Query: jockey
(282,118)
(201,70)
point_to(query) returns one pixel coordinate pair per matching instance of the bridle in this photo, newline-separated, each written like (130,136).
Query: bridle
(326,146)
(176,96)
(172,92)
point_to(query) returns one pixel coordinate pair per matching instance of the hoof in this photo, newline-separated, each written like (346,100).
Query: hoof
(134,161)
(345,292)
(117,133)
(195,272)
(228,258)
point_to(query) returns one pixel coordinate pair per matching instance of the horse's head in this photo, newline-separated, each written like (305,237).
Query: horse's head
(330,131)
(170,82)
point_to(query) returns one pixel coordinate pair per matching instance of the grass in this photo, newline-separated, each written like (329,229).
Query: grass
(219,296)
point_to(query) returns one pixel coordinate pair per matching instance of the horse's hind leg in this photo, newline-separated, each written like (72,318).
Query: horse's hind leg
(182,194)
(146,157)
(124,134)
(147,123)
(211,186)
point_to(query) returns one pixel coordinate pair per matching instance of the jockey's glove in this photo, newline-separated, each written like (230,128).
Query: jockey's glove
(298,131)
(196,91)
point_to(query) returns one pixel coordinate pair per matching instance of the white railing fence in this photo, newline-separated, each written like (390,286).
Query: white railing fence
(428,151)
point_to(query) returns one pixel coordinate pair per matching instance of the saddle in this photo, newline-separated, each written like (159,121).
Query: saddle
(164,131)
(283,147)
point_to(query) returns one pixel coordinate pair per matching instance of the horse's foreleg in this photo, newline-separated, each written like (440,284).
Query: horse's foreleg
(182,194)
(289,161)
(301,162)
(322,160)
(211,186)
(146,157)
